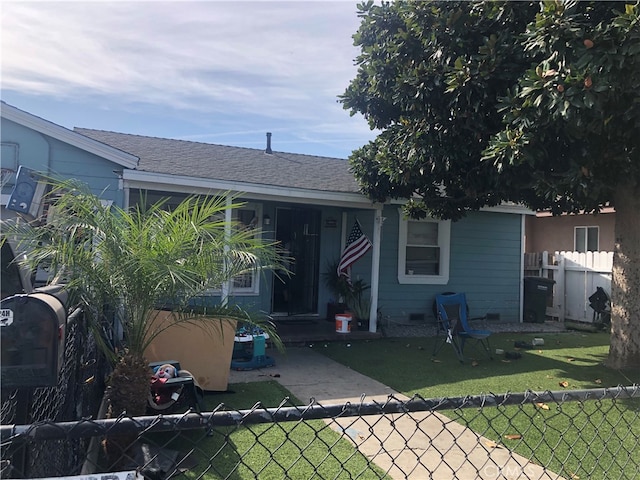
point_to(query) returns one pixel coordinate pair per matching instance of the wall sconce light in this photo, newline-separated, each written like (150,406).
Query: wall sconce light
(266,220)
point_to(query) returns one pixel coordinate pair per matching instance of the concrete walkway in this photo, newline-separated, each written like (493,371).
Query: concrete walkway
(418,445)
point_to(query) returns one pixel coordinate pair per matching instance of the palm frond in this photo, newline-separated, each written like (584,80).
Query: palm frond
(134,261)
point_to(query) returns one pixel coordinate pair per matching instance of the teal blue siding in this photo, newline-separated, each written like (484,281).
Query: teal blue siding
(485,256)
(484,263)
(51,156)
(31,148)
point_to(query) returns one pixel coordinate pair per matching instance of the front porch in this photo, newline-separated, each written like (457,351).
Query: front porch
(299,330)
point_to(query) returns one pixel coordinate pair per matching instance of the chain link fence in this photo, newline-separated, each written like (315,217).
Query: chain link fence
(77,395)
(579,434)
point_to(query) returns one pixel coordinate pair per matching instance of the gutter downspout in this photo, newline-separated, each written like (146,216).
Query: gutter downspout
(343,237)
(522,249)
(375,269)
(126,193)
(228,218)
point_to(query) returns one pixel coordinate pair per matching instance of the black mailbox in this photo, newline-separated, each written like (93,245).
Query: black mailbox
(32,338)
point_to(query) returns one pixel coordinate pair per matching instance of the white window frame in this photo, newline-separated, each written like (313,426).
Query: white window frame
(586,237)
(255,281)
(444,243)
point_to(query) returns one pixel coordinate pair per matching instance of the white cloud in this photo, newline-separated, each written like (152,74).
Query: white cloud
(210,50)
(267,58)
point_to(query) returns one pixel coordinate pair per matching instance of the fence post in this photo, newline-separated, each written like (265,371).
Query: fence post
(560,287)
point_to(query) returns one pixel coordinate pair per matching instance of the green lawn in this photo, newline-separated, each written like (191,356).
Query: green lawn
(407,365)
(270,451)
(594,439)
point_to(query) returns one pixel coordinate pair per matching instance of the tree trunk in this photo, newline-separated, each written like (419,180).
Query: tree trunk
(624,350)
(128,393)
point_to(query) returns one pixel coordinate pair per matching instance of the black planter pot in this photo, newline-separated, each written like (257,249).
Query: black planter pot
(363,325)
(334,309)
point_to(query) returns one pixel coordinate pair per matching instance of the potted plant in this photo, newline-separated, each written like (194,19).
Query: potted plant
(359,303)
(339,288)
(132,264)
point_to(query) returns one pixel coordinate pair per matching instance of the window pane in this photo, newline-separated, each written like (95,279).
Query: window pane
(592,239)
(243,281)
(423,261)
(580,243)
(422,233)
(248,218)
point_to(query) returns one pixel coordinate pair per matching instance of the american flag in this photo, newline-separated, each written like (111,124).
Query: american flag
(357,245)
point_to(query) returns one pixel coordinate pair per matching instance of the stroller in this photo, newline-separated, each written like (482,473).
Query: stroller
(176,394)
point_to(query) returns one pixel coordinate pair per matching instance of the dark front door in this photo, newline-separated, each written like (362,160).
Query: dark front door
(298,230)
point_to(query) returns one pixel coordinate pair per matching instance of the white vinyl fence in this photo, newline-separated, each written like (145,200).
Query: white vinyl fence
(577,276)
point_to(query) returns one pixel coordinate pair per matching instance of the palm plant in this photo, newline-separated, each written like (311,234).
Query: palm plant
(131,263)
(358,301)
(338,285)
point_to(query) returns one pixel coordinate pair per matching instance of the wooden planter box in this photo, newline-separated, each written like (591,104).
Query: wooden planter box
(205,351)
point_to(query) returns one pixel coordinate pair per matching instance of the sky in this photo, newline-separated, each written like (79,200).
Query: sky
(223,72)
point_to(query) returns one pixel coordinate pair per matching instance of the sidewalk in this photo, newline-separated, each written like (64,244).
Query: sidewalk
(406,446)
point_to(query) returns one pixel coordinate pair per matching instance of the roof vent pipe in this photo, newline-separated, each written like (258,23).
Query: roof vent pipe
(268,150)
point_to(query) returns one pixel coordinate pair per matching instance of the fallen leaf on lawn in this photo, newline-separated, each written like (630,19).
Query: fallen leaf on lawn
(506,361)
(564,384)
(491,444)
(513,436)
(474,364)
(543,406)
(435,360)
(569,359)
(539,351)
(598,381)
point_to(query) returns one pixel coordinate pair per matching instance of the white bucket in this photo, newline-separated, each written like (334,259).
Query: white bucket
(343,323)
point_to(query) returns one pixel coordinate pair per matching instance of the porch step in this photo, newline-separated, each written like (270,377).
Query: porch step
(301,331)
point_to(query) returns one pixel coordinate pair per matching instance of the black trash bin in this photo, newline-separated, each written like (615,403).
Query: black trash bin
(536,292)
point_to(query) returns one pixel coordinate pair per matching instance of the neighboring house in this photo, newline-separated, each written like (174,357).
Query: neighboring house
(570,233)
(584,261)
(309,204)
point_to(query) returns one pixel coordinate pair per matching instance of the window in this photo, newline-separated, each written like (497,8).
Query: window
(9,157)
(586,239)
(423,251)
(248,216)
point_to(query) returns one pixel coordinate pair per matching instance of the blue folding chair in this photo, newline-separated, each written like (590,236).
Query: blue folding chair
(454,322)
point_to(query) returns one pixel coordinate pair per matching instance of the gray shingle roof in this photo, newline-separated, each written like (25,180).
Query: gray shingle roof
(219,162)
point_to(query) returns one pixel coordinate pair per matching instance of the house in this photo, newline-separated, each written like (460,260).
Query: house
(309,204)
(576,251)
(46,147)
(570,233)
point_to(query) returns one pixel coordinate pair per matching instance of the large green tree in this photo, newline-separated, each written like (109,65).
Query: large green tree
(485,102)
